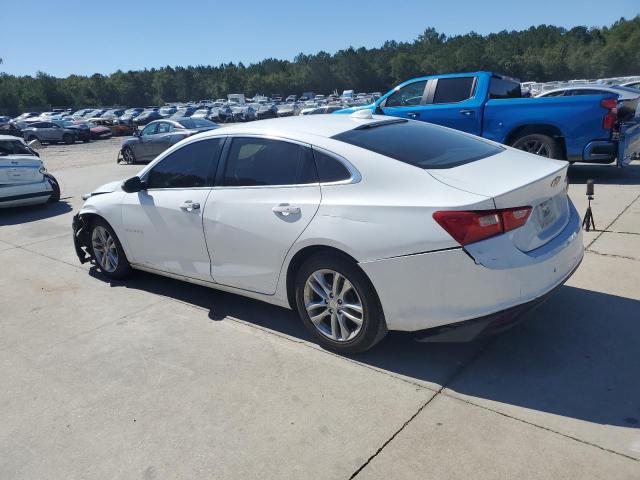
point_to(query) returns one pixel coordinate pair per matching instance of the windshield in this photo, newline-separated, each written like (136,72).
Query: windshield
(419,143)
(196,123)
(13,147)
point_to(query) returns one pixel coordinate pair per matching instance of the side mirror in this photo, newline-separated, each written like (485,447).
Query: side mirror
(133,185)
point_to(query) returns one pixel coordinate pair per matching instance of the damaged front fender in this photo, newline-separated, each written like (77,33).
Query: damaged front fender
(81,239)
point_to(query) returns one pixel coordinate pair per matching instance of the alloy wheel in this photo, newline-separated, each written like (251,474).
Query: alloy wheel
(536,147)
(127,155)
(104,249)
(333,305)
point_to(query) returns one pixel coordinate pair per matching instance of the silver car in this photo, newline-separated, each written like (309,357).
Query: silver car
(48,132)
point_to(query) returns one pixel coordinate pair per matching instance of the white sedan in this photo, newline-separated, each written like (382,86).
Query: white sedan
(362,225)
(23,178)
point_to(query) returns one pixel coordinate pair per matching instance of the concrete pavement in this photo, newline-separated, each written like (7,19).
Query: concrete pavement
(154,378)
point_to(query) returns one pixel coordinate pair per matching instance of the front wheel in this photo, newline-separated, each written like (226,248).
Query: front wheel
(338,304)
(128,156)
(538,144)
(107,251)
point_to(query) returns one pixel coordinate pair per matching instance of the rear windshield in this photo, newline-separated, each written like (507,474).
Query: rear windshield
(13,147)
(420,144)
(195,123)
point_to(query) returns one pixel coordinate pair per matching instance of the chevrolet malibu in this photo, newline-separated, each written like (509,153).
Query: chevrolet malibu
(360,223)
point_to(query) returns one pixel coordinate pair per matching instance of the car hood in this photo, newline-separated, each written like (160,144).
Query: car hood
(106,188)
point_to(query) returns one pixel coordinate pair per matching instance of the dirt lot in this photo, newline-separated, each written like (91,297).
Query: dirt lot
(154,378)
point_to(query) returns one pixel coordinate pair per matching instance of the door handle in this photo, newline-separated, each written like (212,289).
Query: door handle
(413,115)
(285,209)
(466,111)
(189,206)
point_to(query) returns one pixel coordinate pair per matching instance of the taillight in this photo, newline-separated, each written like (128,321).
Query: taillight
(472,226)
(610,119)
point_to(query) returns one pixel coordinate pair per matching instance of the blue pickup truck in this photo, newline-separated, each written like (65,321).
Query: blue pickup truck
(586,128)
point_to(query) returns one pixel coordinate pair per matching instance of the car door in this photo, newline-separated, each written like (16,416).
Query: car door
(50,132)
(162,138)
(266,194)
(163,224)
(143,149)
(455,102)
(407,101)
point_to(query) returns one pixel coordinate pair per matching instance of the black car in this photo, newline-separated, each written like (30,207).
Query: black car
(146,117)
(159,135)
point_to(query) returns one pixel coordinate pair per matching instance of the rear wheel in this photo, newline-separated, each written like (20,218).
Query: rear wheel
(539,144)
(107,251)
(128,156)
(55,196)
(68,138)
(338,304)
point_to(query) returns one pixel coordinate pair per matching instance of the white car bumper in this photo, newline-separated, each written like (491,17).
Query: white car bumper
(25,194)
(428,290)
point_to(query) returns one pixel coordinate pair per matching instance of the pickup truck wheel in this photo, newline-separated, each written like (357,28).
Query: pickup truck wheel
(539,144)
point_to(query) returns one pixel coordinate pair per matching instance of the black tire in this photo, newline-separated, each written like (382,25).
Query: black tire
(68,138)
(122,269)
(373,326)
(128,156)
(539,144)
(55,196)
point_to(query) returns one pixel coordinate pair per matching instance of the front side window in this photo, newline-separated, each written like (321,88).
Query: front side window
(164,127)
(407,96)
(190,166)
(262,161)
(454,90)
(149,129)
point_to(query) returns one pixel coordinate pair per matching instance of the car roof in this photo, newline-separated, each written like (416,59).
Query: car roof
(315,125)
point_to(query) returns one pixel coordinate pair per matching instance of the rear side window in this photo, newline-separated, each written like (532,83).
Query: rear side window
(453,90)
(330,169)
(420,144)
(190,166)
(501,88)
(262,161)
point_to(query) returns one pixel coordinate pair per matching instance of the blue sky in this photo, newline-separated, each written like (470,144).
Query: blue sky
(85,37)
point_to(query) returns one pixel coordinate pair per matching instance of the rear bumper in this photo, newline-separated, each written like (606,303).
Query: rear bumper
(486,326)
(25,194)
(433,289)
(600,151)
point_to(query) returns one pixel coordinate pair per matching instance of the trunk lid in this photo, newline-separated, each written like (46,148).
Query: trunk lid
(17,169)
(517,179)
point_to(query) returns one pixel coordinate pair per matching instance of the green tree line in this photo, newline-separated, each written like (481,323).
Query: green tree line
(539,53)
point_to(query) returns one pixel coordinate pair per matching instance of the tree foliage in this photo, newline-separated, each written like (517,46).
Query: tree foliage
(539,53)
